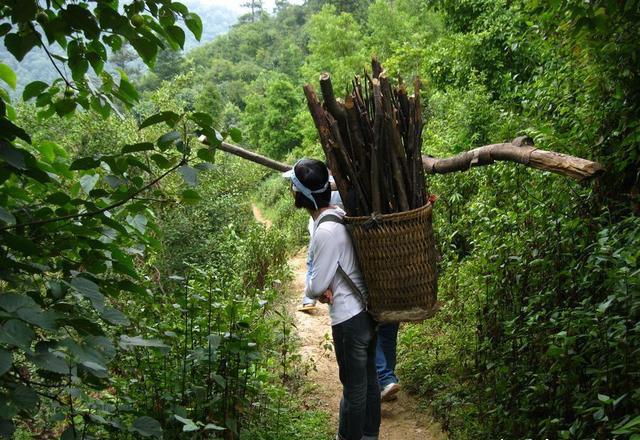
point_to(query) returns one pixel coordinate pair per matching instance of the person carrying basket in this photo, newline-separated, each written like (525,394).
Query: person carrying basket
(336,279)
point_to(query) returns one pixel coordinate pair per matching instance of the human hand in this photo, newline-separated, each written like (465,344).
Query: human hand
(327,297)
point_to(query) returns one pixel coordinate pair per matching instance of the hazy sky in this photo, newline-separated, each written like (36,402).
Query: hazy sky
(234,5)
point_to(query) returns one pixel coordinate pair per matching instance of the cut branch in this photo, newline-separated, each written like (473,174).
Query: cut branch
(520,150)
(249,155)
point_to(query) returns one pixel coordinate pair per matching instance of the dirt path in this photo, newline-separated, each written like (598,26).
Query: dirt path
(259,217)
(401,419)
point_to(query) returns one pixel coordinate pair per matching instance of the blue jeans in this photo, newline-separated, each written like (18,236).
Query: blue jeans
(386,353)
(355,344)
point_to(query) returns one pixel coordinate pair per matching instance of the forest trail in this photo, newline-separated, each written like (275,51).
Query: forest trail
(401,419)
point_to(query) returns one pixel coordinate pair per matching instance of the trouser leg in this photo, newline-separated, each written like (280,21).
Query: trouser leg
(372,418)
(386,353)
(354,342)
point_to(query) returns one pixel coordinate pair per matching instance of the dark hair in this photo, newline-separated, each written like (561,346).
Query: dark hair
(314,175)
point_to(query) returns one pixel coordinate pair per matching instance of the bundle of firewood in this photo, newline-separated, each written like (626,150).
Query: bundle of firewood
(372,141)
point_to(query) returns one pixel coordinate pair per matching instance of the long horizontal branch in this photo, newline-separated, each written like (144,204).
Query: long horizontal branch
(520,150)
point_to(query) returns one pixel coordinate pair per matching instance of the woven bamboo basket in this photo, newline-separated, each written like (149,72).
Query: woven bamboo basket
(397,256)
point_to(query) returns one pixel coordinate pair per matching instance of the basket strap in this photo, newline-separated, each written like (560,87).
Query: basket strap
(362,297)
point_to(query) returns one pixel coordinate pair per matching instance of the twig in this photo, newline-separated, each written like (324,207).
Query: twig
(99,211)
(44,47)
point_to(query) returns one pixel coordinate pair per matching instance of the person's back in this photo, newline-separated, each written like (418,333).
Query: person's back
(331,246)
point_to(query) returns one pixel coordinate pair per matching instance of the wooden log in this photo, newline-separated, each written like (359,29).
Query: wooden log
(360,154)
(336,109)
(411,149)
(376,67)
(403,117)
(418,177)
(249,155)
(326,140)
(347,169)
(376,197)
(399,167)
(520,150)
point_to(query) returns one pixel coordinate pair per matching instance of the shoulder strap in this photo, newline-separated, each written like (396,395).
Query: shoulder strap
(361,296)
(330,218)
(359,293)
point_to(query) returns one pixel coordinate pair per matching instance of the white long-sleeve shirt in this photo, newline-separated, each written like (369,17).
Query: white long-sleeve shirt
(330,245)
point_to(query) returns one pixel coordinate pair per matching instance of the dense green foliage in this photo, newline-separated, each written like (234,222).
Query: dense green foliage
(138,297)
(539,275)
(149,306)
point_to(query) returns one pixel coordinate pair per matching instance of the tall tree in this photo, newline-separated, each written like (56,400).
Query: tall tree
(255,8)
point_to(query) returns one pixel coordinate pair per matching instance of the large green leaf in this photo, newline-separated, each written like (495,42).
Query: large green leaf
(161,161)
(84,163)
(24,397)
(202,119)
(194,23)
(5,361)
(189,425)
(114,316)
(236,135)
(168,138)
(48,361)
(170,118)
(189,174)
(34,315)
(88,182)
(207,154)
(20,44)
(142,146)
(190,196)
(8,75)
(7,217)
(127,92)
(17,333)
(139,222)
(177,34)
(89,290)
(146,49)
(11,302)
(11,155)
(147,427)
(33,89)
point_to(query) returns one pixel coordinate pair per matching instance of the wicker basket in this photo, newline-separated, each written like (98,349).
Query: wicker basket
(397,256)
